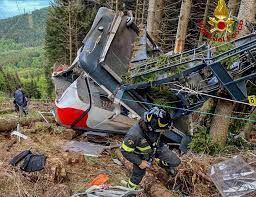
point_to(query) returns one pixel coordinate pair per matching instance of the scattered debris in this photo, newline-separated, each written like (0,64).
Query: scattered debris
(41,114)
(102,191)
(116,161)
(89,149)
(19,134)
(234,177)
(6,111)
(96,137)
(31,161)
(19,157)
(99,180)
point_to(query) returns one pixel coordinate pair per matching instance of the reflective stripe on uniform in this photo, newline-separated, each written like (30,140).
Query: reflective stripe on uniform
(160,124)
(132,185)
(127,148)
(165,163)
(143,148)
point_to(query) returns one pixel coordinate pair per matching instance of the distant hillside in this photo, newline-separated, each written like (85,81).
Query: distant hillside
(26,29)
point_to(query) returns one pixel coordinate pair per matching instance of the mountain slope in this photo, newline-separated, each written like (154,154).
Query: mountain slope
(26,29)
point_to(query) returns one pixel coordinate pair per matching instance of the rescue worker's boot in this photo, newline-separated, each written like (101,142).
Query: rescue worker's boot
(131,185)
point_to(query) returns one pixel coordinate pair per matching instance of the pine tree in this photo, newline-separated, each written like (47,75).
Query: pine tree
(67,25)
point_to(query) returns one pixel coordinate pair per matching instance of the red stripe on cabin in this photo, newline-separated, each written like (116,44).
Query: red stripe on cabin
(67,116)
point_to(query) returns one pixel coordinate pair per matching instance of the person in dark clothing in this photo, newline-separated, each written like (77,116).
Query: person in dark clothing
(142,145)
(20,101)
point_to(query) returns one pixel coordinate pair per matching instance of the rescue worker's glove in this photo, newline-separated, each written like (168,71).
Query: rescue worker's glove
(157,118)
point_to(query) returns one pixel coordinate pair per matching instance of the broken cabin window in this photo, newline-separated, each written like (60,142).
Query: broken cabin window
(83,89)
(100,97)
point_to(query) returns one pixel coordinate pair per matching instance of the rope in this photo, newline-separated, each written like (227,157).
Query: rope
(189,110)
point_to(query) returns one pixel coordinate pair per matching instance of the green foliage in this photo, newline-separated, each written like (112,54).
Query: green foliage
(8,81)
(22,67)
(32,90)
(236,127)
(201,143)
(235,139)
(67,25)
(9,45)
(26,29)
(221,48)
(22,57)
(238,143)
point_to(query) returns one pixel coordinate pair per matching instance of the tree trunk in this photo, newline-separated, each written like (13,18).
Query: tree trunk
(233,7)
(9,123)
(204,20)
(70,33)
(200,118)
(247,13)
(220,125)
(182,26)
(155,11)
(116,5)
(151,185)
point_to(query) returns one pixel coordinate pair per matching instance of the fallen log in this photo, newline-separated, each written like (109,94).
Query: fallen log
(151,185)
(9,123)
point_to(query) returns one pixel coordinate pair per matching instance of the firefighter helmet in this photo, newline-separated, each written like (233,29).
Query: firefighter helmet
(157,118)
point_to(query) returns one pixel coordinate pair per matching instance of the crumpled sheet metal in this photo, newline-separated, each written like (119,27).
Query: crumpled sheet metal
(108,191)
(87,148)
(234,177)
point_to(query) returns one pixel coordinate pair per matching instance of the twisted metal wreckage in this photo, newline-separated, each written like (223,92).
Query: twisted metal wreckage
(92,95)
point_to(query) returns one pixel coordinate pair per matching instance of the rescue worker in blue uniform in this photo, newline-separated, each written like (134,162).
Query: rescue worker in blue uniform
(142,145)
(20,101)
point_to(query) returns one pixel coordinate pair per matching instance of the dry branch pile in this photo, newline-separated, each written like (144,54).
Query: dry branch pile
(64,172)
(193,178)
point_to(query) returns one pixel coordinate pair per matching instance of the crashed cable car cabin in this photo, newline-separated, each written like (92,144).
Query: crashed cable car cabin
(91,94)
(86,90)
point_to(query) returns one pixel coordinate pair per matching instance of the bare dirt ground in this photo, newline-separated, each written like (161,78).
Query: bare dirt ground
(72,170)
(67,173)
(59,168)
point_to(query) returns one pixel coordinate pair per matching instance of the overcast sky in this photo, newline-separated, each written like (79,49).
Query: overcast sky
(10,8)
